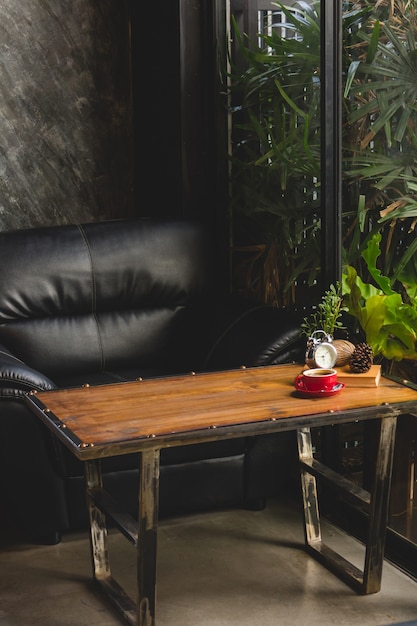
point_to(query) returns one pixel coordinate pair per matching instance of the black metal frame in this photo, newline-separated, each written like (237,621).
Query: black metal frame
(331,141)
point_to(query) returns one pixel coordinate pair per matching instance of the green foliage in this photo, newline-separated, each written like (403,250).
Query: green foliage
(387,317)
(275,161)
(379,136)
(328,314)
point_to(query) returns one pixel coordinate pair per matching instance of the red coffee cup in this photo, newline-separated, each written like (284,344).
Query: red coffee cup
(316,379)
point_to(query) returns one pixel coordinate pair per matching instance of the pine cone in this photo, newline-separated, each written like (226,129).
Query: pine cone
(361,359)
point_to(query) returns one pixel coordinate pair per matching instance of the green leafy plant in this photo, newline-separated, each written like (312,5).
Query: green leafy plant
(387,316)
(328,314)
(379,134)
(275,158)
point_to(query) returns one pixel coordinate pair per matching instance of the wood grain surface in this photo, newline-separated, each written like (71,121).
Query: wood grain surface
(172,410)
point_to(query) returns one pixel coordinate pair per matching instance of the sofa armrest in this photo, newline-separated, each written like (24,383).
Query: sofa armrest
(262,335)
(17,378)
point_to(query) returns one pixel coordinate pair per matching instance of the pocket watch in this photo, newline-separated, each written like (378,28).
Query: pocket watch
(320,351)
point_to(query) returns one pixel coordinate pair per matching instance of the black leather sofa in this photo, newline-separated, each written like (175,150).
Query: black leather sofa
(113,301)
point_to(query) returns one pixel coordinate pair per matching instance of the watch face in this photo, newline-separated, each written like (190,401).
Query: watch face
(325,355)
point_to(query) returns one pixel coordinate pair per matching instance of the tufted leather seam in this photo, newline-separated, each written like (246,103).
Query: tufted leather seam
(93,293)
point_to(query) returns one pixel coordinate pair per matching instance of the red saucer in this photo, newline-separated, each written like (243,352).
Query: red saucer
(322,393)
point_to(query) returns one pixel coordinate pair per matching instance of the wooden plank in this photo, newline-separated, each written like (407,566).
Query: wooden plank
(185,404)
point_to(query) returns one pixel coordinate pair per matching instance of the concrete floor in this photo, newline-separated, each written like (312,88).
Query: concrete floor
(239,568)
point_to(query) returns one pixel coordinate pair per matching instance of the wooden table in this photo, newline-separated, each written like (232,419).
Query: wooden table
(145,416)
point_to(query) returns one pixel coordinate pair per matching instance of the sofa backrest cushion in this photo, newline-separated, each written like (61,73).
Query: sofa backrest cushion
(103,295)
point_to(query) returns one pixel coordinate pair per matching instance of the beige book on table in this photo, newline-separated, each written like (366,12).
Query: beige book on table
(365,379)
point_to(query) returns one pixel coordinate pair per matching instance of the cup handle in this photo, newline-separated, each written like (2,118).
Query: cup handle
(299,382)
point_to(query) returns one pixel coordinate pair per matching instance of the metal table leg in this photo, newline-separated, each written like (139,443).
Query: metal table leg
(147,537)
(375,504)
(99,544)
(378,517)
(98,523)
(143,534)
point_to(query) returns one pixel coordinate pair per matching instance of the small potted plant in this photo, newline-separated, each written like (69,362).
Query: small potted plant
(320,327)
(323,350)
(327,318)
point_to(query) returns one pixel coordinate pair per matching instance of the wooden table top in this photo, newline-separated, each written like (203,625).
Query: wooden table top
(124,417)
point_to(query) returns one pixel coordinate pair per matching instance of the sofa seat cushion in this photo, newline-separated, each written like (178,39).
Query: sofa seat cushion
(70,466)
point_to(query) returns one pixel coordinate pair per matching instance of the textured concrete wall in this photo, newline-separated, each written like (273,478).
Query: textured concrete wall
(65,112)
